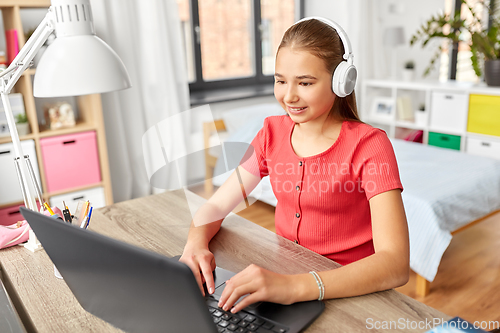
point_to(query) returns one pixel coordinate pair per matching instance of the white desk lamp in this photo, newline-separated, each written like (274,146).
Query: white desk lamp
(76,63)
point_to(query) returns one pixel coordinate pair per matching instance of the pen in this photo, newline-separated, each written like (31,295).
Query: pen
(84,222)
(88,218)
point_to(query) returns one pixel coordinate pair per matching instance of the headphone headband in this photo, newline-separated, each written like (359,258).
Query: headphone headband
(348,56)
(345,74)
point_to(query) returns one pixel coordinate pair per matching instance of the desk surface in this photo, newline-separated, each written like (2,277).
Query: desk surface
(160,223)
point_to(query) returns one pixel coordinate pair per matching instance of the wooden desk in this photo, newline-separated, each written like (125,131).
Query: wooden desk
(160,223)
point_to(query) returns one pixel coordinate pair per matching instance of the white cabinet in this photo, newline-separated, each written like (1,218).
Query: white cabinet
(483,147)
(456,115)
(94,195)
(10,189)
(449,112)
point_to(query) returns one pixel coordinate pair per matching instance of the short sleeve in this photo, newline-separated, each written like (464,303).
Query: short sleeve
(380,171)
(254,160)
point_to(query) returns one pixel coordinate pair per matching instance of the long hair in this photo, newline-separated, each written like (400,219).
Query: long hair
(323,41)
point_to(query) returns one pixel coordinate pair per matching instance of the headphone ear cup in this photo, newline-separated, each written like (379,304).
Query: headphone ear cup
(344,79)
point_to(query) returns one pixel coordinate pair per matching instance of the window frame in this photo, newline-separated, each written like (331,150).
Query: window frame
(453,52)
(199,84)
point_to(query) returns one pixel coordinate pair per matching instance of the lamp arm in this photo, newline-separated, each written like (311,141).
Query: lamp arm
(8,79)
(23,59)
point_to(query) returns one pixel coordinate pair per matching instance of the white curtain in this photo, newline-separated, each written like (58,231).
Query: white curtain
(367,26)
(147,37)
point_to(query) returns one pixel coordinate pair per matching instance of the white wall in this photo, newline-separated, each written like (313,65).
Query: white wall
(411,15)
(335,10)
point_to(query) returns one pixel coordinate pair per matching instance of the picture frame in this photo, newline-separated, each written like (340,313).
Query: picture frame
(17,108)
(382,108)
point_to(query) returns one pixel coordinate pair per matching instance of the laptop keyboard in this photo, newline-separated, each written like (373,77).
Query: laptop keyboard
(242,322)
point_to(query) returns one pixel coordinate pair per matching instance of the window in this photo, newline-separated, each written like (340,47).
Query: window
(464,70)
(232,43)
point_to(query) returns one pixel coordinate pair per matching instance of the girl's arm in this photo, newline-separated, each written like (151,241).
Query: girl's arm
(207,221)
(387,268)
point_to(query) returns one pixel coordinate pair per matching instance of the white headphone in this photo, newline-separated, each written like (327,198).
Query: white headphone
(345,75)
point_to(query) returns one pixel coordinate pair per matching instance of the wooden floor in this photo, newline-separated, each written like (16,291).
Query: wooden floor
(468,281)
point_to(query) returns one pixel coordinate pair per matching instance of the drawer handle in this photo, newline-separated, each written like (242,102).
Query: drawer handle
(486,144)
(5,152)
(14,213)
(445,138)
(78,198)
(68,142)
(448,96)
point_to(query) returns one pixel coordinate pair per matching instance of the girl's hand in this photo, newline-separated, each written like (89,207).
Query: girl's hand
(202,263)
(260,284)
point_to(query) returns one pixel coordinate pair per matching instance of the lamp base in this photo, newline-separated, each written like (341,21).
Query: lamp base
(32,244)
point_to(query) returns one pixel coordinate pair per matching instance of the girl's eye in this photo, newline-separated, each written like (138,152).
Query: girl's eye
(280,82)
(306,84)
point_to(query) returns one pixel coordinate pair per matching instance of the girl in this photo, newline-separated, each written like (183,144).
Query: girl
(335,178)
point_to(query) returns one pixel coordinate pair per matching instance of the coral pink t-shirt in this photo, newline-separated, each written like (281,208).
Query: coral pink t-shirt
(323,199)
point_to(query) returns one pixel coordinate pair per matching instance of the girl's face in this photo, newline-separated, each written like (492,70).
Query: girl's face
(303,85)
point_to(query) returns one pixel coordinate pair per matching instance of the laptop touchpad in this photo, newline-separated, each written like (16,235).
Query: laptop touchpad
(221,276)
(220,288)
(218,293)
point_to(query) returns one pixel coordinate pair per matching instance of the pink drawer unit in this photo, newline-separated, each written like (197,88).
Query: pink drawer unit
(10,215)
(70,161)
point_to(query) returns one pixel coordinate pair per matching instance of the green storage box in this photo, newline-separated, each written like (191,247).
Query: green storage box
(444,140)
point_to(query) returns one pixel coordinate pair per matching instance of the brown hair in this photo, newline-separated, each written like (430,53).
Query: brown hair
(323,41)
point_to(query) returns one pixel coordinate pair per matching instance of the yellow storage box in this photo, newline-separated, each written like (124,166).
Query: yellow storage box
(484,114)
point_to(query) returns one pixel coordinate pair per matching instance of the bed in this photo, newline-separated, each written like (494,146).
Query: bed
(444,190)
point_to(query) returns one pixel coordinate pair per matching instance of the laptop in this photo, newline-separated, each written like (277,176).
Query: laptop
(138,290)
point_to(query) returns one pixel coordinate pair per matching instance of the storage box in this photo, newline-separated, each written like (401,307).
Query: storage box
(10,188)
(70,161)
(484,115)
(444,140)
(94,195)
(449,112)
(483,147)
(10,215)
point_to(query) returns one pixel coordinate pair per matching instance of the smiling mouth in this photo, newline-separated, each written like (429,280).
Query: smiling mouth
(296,110)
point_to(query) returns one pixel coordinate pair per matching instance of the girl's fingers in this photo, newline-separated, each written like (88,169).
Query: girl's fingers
(239,279)
(237,293)
(206,270)
(250,299)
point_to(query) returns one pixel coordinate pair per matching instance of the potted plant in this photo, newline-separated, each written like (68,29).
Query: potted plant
(421,115)
(484,42)
(409,70)
(23,127)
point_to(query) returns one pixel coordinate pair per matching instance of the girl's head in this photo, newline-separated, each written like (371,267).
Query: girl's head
(322,42)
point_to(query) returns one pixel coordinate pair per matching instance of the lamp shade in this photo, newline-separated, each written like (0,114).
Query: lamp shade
(394,36)
(79,65)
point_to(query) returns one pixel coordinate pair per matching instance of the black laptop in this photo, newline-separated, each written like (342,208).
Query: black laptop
(142,291)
